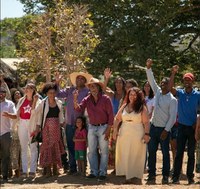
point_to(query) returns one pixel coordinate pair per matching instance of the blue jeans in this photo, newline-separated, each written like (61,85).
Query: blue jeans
(70,131)
(155,133)
(185,134)
(5,144)
(96,139)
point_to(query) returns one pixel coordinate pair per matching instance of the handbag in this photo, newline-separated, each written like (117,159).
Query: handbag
(38,137)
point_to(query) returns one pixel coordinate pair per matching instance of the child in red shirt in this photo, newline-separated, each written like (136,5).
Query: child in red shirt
(80,139)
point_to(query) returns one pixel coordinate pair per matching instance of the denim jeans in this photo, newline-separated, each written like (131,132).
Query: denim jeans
(5,144)
(185,134)
(96,139)
(155,133)
(70,131)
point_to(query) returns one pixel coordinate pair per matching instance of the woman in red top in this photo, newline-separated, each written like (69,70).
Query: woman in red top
(27,123)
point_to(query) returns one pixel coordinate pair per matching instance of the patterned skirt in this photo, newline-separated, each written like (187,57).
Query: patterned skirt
(52,146)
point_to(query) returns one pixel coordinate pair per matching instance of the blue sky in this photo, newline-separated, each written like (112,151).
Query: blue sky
(11,9)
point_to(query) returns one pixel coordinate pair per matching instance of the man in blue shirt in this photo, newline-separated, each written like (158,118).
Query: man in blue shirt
(188,103)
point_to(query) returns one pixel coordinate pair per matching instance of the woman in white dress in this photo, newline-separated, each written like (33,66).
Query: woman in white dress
(132,137)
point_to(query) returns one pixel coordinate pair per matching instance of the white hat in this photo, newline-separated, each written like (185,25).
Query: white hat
(74,75)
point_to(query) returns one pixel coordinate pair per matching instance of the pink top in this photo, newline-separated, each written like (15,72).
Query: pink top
(80,134)
(25,109)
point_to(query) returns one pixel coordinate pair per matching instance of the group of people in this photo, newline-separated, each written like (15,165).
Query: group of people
(124,126)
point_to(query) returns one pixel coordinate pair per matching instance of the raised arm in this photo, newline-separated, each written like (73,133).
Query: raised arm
(150,76)
(171,82)
(107,75)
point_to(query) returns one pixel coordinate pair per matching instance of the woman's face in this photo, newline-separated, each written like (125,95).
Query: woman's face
(119,83)
(17,96)
(128,86)
(51,94)
(132,96)
(28,90)
(147,87)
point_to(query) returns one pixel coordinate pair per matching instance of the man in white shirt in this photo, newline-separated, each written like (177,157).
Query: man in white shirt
(163,118)
(7,106)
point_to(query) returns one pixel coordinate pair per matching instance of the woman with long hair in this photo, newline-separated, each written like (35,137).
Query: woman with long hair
(132,137)
(27,124)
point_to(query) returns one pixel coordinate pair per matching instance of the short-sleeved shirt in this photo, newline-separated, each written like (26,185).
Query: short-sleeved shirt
(150,103)
(80,134)
(25,109)
(5,123)
(188,104)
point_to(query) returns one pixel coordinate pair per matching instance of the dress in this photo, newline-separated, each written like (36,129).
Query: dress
(130,148)
(52,146)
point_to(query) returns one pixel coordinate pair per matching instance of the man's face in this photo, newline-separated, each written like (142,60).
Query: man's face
(2,96)
(164,85)
(80,81)
(187,82)
(94,89)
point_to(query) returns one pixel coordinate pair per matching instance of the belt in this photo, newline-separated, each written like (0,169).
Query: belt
(100,124)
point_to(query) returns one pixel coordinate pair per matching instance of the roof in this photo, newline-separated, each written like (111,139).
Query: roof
(11,62)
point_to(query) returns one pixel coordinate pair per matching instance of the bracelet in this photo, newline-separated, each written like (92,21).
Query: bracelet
(147,134)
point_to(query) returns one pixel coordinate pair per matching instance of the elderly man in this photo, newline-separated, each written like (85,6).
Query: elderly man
(163,118)
(188,103)
(7,107)
(78,80)
(100,113)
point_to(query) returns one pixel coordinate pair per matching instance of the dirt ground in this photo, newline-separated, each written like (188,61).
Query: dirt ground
(112,182)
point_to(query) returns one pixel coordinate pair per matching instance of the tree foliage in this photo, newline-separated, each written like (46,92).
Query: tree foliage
(133,30)
(58,39)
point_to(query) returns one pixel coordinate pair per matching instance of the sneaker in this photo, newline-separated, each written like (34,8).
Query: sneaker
(32,175)
(175,180)
(101,178)
(190,181)
(165,180)
(90,176)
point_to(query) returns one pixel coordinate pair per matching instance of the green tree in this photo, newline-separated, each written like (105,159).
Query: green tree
(132,31)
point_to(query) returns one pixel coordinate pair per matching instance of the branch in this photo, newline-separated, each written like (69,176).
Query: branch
(191,43)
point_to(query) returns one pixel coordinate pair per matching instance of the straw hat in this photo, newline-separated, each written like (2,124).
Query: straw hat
(95,81)
(74,75)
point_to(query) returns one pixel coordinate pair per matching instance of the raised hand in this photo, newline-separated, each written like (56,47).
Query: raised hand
(175,69)
(149,62)
(58,77)
(107,73)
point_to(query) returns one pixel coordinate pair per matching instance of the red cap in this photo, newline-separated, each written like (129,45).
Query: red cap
(189,76)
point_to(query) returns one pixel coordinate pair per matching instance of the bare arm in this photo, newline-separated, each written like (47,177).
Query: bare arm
(117,120)
(107,75)
(9,115)
(171,82)
(146,123)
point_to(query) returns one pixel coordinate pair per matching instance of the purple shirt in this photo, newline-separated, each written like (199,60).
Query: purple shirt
(100,112)
(80,134)
(71,114)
